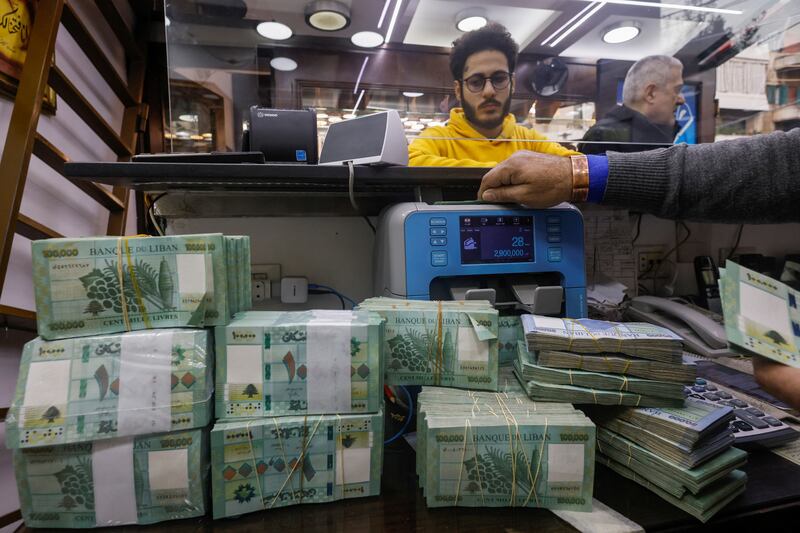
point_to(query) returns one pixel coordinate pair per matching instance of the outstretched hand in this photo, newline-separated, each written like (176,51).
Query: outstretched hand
(530,178)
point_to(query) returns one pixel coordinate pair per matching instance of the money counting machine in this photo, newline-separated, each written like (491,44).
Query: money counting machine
(520,259)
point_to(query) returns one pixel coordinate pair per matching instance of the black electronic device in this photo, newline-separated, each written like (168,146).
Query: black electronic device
(204,157)
(284,135)
(707,276)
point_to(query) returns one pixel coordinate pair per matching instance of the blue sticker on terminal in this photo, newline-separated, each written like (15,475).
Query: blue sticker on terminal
(300,155)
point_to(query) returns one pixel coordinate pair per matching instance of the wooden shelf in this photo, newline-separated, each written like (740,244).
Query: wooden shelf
(15,318)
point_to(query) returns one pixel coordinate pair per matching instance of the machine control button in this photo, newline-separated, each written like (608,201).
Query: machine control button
(438,259)
(554,254)
(438,221)
(437,231)
(438,241)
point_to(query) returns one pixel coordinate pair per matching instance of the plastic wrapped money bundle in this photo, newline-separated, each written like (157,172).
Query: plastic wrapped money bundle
(640,339)
(498,453)
(762,315)
(683,455)
(274,462)
(582,387)
(96,285)
(452,344)
(307,362)
(132,480)
(96,388)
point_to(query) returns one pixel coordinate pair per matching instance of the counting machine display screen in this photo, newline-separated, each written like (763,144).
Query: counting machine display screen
(496,239)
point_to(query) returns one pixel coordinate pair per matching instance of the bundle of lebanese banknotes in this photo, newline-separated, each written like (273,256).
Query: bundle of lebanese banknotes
(261,464)
(606,363)
(133,480)
(97,285)
(451,343)
(762,315)
(106,386)
(303,362)
(479,449)
(684,455)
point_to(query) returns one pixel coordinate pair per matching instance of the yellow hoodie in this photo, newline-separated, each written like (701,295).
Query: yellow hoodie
(450,145)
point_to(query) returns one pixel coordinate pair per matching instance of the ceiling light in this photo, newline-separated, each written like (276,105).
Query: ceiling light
(347,116)
(327,15)
(274,30)
(471,19)
(167,22)
(283,63)
(188,118)
(651,3)
(412,94)
(320,116)
(334,120)
(621,32)
(393,20)
(367,39)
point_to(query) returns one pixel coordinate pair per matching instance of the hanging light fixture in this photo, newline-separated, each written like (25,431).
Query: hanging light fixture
(327,15)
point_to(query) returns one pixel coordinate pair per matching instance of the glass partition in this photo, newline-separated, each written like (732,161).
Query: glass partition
(706,70)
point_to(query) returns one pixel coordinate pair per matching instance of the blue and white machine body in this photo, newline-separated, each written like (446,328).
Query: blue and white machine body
(422,249)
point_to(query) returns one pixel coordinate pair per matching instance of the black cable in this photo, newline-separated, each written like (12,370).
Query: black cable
(674,248)
(321,291)
(638,228)
(371,225)
(736,244)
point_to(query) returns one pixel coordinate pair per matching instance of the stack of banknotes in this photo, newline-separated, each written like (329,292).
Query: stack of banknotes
(295,363)
(134,480)
(478,449)
(585,387)
(266,463)
(107,386)
(606,363)
(684,455)
(453,344)
(108,429)
(97,285)
(509,332)
(762,315)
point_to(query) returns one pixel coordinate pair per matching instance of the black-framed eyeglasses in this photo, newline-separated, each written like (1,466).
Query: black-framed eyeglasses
(477,82)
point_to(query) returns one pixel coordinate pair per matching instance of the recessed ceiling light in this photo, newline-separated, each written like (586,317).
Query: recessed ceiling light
(621,33)
(471,19)
(412,94)
(283,63)
(274,30)
(327,15)
(188,118)
(367,39)
(348,116)
(320,116)
(667,5)
(167,22)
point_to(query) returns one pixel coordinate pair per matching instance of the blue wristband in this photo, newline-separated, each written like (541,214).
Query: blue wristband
(598,177)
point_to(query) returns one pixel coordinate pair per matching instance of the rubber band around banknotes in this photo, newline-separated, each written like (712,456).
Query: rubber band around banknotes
(624,385)
(569,371)
(300,459)
(467,426)
(134,283)
(594,393)
(253,458)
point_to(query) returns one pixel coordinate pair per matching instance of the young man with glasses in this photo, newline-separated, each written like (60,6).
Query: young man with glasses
(481,132)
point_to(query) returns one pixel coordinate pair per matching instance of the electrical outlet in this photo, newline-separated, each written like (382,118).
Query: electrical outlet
(259,290)
(648,257)
(271,272)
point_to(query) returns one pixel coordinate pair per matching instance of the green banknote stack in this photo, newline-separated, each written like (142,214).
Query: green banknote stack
(295,363)
(453,344)
(97,285)
(503,450)
(509,332)
(605,363)
(762,315)
(266,463)
(584,387)
(129,480)
(106,386)
(684,455)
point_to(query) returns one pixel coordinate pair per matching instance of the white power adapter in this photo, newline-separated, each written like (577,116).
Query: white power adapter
(294,290)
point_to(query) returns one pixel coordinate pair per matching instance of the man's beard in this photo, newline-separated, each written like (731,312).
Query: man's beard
(472,115)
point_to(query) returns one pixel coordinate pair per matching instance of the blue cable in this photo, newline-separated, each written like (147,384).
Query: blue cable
(408,418)
(334,291)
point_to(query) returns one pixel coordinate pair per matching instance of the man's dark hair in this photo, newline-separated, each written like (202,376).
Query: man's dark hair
(493,36)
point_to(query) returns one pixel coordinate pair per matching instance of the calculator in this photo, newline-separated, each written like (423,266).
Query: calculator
(751,426)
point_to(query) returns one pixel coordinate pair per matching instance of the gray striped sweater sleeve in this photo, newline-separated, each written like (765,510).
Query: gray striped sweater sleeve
(750,180)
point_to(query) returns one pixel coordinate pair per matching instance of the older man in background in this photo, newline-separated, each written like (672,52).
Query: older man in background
(646,118)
